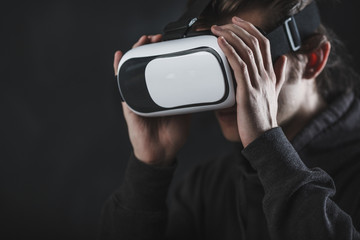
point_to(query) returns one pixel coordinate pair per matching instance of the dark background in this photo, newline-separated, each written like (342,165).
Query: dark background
(63,139)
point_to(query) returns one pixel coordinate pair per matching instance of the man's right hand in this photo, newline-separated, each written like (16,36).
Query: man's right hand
(155,141)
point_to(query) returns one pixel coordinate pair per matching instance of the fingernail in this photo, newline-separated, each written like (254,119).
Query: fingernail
(216,28)
(238,19)
(223,40)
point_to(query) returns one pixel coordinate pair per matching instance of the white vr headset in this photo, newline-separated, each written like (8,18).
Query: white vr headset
(188,72)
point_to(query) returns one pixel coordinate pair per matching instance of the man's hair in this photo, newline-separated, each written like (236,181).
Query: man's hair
(338,76)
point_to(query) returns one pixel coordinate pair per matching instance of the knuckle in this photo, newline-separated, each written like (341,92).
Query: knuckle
(234,53)
(265,42)
(249,53)
(242,65)
(254,41)
(230,51)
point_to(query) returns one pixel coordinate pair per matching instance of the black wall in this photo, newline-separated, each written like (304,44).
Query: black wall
(63,139)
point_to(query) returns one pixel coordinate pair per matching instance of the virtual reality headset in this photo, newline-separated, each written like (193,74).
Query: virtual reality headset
(188,72)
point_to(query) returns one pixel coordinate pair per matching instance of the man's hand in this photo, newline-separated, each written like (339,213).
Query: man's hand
(154,140)
(258,81)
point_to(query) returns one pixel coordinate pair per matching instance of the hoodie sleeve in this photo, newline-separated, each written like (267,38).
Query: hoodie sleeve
(138,209)
(297,202)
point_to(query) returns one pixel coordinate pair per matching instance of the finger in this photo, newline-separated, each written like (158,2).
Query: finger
(263,42)
(155,38)
(280,72)
(246,54)
(117,57)
(251,42)
(237,64)
(142,40)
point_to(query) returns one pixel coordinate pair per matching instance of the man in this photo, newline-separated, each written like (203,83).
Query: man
(300,141)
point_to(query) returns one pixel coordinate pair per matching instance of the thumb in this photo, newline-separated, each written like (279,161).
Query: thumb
(117,57)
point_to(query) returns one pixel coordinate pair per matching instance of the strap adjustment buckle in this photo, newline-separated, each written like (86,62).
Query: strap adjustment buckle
(178,29)
(292,33)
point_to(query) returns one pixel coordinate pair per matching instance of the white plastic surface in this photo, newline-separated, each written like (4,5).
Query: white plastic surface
(183,80)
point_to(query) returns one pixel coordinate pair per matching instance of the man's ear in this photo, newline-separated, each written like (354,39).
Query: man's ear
(316,60)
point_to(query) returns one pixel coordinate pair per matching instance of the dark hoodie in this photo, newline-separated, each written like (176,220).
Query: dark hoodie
(272,189)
